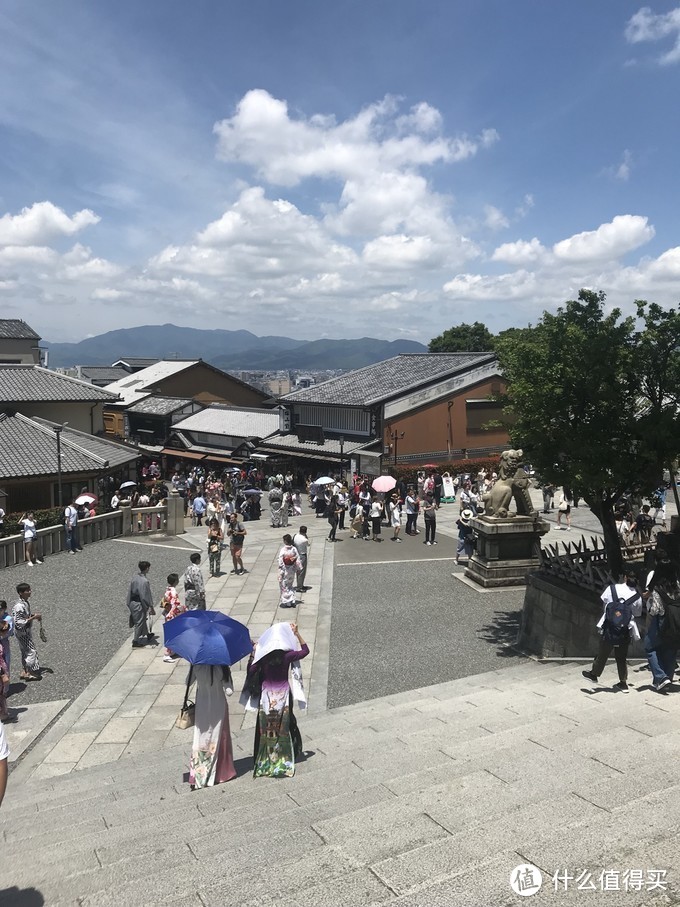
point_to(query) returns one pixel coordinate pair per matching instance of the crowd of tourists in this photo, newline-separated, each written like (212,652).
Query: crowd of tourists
(640,607)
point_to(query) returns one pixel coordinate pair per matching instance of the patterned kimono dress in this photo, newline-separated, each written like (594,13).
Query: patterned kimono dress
(172,607)
(22,631)
(277,738)
(289,567)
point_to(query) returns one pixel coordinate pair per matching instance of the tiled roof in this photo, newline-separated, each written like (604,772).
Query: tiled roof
(14,329)
(102,373)
(136,363)
(29,448)
(232,421)
(31,383)
(159,406)
(290,443)
(132,387)
(383,380)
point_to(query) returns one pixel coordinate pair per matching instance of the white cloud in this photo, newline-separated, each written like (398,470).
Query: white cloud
(42,223)
(610,241)
(283,150)
(520,252)
(494,218)
(622,170)
(648,26)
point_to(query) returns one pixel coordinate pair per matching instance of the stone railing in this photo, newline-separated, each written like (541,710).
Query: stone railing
(147,520)
(126,521)
(52,539)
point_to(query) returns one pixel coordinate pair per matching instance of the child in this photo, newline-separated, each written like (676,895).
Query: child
(171,606)
(5,637)
(4,674)
(464,535)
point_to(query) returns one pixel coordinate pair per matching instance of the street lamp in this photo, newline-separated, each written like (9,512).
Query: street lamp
(58,430)
(395,437)
(341,439)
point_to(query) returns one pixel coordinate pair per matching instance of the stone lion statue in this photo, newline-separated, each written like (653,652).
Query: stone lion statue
(512,482)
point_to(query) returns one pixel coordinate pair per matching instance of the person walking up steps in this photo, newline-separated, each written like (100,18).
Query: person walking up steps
(622,602)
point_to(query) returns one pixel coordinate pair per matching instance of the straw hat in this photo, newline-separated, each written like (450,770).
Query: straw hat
(466,516)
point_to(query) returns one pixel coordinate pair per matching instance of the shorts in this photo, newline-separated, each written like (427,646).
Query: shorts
(236,550)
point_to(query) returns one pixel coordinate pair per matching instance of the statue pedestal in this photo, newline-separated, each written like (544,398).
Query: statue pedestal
(507,549)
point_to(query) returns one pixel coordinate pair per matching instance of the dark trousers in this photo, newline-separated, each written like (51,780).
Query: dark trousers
(334,525)
(430,530)
(302,574)
(620,654)
(341,525)
(410,523)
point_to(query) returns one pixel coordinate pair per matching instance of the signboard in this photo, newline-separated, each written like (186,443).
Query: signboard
(448,491)
(284,420)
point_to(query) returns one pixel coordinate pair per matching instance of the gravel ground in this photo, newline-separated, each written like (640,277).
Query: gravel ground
(82,600)
(401,626)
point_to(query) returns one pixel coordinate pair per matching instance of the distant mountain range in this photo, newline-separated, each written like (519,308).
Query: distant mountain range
(227,350)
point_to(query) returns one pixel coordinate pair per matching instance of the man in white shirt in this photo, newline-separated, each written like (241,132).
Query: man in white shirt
(302,543)
(617,600)
(71,528)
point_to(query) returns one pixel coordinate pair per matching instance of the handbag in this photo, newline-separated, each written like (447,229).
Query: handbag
(187,714)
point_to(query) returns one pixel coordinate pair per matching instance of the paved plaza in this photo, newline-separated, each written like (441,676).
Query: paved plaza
(437,758)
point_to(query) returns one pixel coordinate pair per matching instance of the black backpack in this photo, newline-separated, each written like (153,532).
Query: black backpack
(617,616)
(670,624)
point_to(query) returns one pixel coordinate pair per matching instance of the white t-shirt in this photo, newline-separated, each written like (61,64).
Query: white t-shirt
(395,515)
(376,510)
(301,542)
(4,746)
(30,531)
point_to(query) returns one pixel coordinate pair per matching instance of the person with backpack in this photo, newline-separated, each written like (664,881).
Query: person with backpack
(663,632)
(622,603)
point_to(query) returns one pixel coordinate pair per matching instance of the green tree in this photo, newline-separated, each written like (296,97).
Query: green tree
(595,400)
(464,338)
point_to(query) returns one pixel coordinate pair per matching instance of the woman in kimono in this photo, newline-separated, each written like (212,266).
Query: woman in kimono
(277,738)
(276,506)
(289,567)
(212,757)
(23,622)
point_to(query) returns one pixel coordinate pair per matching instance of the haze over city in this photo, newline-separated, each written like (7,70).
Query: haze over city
(384,169)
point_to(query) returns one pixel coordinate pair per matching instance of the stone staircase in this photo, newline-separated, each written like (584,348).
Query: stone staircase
(422,799)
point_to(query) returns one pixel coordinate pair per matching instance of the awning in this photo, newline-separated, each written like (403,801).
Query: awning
(215,459)
(183,454)
(371,454)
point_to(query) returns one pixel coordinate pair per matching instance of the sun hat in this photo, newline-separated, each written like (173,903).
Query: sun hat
(466,516)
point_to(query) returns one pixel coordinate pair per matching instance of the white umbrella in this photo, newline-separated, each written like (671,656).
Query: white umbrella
(128,485)
(324,480)
(86,498)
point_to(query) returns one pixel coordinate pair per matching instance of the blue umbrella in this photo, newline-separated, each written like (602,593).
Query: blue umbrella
(207,638)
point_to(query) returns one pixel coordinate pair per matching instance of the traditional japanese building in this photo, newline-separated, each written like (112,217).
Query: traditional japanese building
(414,408)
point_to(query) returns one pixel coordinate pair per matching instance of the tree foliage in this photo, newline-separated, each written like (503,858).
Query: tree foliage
(464,338)
(595,400)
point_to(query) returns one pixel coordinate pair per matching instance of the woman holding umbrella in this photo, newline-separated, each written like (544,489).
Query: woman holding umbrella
(277,739)
(211,642)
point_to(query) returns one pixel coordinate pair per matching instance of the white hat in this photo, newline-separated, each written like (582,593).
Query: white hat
(466,516)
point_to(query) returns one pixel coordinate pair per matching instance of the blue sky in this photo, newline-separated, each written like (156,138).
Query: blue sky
(385,169)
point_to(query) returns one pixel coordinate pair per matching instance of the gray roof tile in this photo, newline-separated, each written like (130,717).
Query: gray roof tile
(159,406)
(29,448)
(386,379)
(31,383)
(14,329)
(232,421)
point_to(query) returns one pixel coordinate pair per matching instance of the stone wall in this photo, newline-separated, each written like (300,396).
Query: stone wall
(559,620)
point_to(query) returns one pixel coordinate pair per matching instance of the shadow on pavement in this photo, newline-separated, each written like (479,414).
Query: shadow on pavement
(502,631)
(21,897)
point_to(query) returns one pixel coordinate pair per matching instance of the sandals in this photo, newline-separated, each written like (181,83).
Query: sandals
(29,676)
